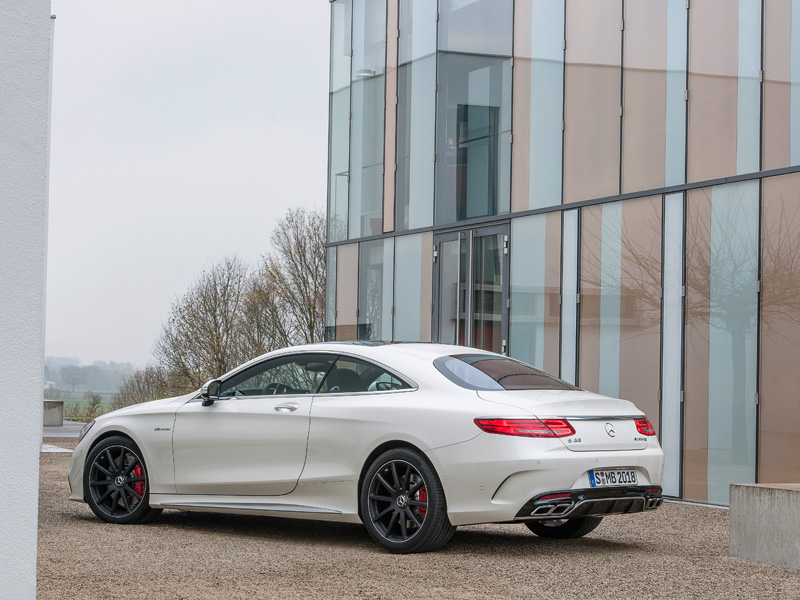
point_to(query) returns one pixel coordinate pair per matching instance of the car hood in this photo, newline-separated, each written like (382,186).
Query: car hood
(150,406)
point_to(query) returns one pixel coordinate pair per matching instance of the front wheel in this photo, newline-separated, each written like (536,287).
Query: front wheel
(562,529)
(115,483)
(403,503)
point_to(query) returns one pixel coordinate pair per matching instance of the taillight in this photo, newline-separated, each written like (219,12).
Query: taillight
(540,428)
(644,427)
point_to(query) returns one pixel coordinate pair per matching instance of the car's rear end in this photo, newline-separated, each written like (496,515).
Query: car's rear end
(553,453)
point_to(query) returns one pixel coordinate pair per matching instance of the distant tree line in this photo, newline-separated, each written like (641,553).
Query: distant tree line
(69,374)
(232,313)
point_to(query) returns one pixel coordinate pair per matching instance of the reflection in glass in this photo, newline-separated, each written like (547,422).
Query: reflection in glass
(330,295)
(375,289)
(779,417)
(535,287)
(451,304)
(416,113)
(721,313)
(408,288)
(339,135)
(620,308)
(476,26)
(367,123)
(473,150)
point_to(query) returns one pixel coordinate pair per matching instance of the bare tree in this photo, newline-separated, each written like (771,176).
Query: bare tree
(142,385)
(200,338)
(72,375)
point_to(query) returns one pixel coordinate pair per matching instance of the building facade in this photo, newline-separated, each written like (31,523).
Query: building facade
(608,190)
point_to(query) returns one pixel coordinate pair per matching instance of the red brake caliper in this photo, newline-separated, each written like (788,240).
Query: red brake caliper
(138,486)
(422,496)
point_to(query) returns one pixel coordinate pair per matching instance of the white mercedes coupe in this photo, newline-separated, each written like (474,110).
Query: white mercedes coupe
(410,439)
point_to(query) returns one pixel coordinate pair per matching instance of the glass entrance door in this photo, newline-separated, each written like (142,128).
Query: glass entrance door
(471,274)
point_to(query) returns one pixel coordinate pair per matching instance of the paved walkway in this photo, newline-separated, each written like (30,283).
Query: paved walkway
(70,429)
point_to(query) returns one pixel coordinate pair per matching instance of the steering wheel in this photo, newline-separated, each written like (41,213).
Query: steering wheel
(274,389)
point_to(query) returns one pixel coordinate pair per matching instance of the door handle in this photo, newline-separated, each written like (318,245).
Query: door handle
(287,407)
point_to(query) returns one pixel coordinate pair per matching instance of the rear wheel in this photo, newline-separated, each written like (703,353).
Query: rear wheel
(115,483)
(562,529)
(403,504)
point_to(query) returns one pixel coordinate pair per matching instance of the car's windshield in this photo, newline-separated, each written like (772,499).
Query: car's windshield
(490,372)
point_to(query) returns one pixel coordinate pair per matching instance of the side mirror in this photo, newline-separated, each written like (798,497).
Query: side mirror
(210,391)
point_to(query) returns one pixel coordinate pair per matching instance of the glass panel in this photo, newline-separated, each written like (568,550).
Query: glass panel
(677,34)
(671,344)
(367,123)
(721,312)
(644,96)
(724,110)
(417,30)
(473,154)
(408,288)
(339,149)
(486,372)
(569,296)
(779,418)
(476,26)
(620,308)
(330,295)
(346,292)
(535,287)
(781,84)
(538,104)
(487,292)
(451,305)
(416,116)
(375,293)
(593,99)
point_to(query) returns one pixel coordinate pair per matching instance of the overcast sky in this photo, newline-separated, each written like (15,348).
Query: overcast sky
(181,131)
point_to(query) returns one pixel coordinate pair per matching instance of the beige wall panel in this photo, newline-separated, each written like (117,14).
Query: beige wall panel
(347,292)
(713,89)
(521,131)
(426,296)
(640,306)
(645,90)
(698,278)
(592,100)
(777,91)
(552,282)
(390,137)
(779,403)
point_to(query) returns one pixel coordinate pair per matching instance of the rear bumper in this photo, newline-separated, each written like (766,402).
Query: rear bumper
(569,504)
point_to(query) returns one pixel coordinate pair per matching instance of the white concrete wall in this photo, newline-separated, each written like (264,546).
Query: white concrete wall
(25,59)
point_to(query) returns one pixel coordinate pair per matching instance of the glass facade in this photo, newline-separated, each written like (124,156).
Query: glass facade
(591,187)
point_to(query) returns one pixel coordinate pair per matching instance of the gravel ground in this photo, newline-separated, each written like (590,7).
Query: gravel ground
(679,551)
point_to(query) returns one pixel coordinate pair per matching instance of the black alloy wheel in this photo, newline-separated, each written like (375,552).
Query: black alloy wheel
(402,503)
(563,529)
(115,482)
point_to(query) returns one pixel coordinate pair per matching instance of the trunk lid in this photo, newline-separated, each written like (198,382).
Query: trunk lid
(601,423)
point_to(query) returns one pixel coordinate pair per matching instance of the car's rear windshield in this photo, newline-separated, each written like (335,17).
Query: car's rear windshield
(489,372)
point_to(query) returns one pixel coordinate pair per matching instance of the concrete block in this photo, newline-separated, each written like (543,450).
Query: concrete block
(54,412)
(765,523)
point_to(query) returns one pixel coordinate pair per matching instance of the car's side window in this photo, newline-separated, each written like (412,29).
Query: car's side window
(295,374)
(351,375)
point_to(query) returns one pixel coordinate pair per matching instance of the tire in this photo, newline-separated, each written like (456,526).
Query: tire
(403,504)
(563,529)
(115,482)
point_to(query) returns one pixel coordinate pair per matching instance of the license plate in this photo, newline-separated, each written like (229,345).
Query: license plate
(612,477)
